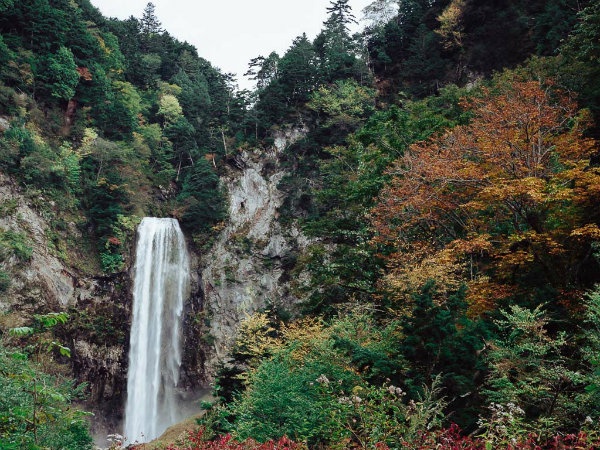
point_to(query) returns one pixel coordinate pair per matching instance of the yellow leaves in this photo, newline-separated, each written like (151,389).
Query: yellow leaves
(442,267)
(521,251)
(509,264)
(89,137)
(303,329)
(303,333)
(344,99)
(451,29)
(547,244)
(587,232)
(518,197)
(103,46)
(473,245)
(587,187)
(256,337)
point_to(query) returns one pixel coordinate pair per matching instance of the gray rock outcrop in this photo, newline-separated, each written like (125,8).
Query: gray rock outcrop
(244,271)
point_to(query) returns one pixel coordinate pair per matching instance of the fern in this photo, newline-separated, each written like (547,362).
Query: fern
(21,331)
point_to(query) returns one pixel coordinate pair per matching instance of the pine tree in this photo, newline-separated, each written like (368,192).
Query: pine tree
(340,15)
(150,23)
(335,47)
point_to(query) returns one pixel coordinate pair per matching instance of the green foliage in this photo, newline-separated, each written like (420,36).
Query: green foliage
(379,415)
(150,65)
(6,4)
(106,197)
(125,109)
(194,97)
(296,78)
(149,22)
(589,400)
(314,388)
(43,322)
(342,106)
(4,281)
(116,243)
(62,74)
(345,97)
(441,341)
(15,143)
(6,55)
(336,50)
(165,118)
(284,400)
(371,346)
(158,151)
(13,243)
(23,152)
(181,134)
(351,176)
(581,54)
(100,324)
(529,369)
(36,410)
(111,262)
(9,207)
(113,61)
(21,331)
(418,45)
(70,166)
(203,201)
(263,70)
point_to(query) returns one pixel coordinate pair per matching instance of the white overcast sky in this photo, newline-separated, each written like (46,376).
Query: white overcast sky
(229,33)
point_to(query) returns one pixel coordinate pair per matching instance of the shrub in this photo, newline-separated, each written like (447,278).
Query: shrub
(111,262)
(4,281)
(16,244)
(35,408)
(195,440)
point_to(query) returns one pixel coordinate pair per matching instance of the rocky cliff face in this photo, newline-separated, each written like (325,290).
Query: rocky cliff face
(42,280)
(246,268)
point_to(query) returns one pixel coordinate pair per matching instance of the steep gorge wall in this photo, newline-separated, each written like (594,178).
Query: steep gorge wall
(247,268)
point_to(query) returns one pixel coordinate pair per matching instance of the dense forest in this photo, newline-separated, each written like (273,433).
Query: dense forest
(448,179)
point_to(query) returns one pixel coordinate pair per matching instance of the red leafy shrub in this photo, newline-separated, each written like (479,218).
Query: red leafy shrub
(452,439)
(195,441)
(446,439)
(580,441)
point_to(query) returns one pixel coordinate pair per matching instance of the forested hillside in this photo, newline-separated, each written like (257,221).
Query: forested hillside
(447,180)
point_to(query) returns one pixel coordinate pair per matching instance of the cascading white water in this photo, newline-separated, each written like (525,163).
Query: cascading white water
(161,283)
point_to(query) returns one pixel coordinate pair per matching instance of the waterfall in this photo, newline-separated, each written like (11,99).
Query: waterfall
(161,283)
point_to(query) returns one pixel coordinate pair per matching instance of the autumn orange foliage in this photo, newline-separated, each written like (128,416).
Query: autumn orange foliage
(491,202)
(84,73)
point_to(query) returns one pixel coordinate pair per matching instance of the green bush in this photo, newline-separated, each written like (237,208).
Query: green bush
(4,281)
(319,400)
(325,385)
(202,200)
(16,244)
(285,399)
(36,410)
(111,262)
